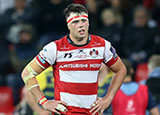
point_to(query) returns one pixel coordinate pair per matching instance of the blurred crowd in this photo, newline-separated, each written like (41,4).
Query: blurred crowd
(132,26)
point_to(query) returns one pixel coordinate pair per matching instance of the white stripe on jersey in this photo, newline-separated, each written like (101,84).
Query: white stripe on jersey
(78,76)
(83,101)
(76,55)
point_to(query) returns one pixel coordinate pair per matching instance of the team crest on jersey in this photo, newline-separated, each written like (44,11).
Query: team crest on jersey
(93,53)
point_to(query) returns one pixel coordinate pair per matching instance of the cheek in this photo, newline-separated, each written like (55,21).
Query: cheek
(73,31)
(88,24)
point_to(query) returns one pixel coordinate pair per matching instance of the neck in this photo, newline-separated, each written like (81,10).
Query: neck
(79,41)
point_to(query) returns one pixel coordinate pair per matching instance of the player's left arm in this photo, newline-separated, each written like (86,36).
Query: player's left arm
(102,103)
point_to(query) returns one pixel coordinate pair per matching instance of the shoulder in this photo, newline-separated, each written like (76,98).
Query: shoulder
(95,37)
(100,39)
(61,42)
(143,88)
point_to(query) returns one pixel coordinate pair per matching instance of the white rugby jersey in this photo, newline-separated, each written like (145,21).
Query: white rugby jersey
(76,70)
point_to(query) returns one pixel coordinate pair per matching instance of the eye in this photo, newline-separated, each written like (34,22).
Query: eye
(76,21)
(83,20)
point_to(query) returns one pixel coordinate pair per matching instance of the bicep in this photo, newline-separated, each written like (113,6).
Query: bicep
(34,66)
(117,66)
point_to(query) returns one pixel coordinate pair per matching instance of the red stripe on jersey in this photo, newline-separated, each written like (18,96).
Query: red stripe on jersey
(78,88)
(43,62)
(112,61)
(77,111)
(91,65)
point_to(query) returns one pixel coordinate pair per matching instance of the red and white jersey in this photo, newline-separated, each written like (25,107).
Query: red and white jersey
(76,69)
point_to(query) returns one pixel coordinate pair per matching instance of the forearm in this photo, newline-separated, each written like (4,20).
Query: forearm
(36,91)
(102,103)
(29,77)
(33,103)
(120,71)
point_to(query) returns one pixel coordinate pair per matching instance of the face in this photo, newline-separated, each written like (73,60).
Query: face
(115,3)
(25,37)
(140,18)
(109,18)
(20,3)
(78,28)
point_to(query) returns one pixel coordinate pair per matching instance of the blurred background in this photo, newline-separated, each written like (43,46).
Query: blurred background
(132,26)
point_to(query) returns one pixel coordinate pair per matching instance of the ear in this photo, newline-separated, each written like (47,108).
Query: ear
(68,27)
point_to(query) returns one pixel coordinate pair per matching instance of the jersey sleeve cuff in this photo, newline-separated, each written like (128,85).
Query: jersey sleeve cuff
(112,61)
(42,62)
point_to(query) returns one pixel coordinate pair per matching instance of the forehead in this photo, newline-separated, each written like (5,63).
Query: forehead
(76,16)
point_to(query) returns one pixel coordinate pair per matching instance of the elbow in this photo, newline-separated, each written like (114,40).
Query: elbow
(123,71)
(24,73)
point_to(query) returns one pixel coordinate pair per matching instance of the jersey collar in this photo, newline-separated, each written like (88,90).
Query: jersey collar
(72,43)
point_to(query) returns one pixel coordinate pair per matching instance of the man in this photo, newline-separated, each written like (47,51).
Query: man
(154,77)
(132,98)
(76,59)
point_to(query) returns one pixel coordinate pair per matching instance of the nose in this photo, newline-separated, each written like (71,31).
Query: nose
(81,24)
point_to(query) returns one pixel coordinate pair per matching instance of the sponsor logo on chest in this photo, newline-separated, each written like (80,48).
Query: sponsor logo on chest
(80,54)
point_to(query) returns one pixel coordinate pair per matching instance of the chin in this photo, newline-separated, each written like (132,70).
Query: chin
(84,35)
(80,37)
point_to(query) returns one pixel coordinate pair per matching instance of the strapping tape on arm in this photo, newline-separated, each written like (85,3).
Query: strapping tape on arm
(32,86)
(32,74)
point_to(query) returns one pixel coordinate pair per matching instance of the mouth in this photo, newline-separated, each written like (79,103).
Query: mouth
(82,31)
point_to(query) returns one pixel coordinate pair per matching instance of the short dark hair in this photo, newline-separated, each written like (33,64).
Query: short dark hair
(75,8)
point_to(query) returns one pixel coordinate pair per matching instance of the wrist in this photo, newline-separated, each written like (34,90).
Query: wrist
(43,100)
(109,97)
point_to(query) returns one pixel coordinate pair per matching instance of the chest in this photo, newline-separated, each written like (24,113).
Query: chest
(80,59)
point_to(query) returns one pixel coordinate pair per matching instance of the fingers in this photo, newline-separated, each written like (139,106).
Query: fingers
(96,108)
(55,111)
(56,106)
(61,108)
(100,112)
(62,102)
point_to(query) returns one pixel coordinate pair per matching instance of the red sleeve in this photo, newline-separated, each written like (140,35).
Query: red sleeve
(112,61)
(42,62)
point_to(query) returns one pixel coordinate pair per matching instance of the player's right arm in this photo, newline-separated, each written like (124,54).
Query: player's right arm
(42,61)
(28,76)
